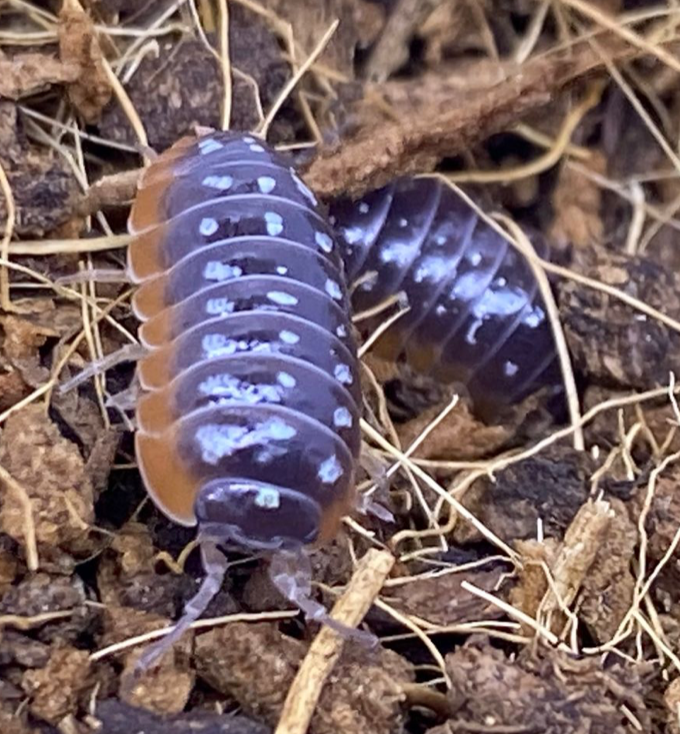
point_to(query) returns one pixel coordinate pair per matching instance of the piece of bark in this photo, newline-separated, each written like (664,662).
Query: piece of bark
(607,589)
(52,473)
(441,600)
(43,184)
(183,87)
(24,74)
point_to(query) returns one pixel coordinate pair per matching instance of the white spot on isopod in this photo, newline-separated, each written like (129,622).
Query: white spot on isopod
(510,369)
(282,298)
(281,270)
(216,440)
(219,306)
(288,337)
(224,389)
(286,379)
(221,183)
(535,318)
(208,145)
(274,223)
(330,470)
(208,226)
(324,241)
(256,148)
(342,418)
(363,207)
(266,184)
(333,290)
(352,235)
(218,270)
(343,374)
(267,498)
(400,253)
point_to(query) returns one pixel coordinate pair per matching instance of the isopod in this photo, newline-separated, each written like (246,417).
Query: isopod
(475,315)
(248,418)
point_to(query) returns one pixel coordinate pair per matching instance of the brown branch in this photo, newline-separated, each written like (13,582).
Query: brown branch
(433,118)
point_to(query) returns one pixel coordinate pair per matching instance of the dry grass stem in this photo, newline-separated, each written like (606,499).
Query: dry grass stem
(30,541)
(263,129)
(225,62)
(5,300)
(350,609)
(201,624)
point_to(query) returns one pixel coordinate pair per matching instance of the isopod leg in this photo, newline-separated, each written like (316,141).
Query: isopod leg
(215,566)
(291,573)
(377,470)
(95,275)
(128,353)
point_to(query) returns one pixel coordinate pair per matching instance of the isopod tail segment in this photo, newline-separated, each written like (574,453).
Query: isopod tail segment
(248,419)
(475,314)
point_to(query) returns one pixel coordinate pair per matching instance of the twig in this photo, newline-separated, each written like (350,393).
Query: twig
(201,624)
(59,247)
(30,542)
(323,653)
(225,61)
(416,627)
(548,159)
(571,391)
(5,300)
(126,103)
(24,624)
(263,129)
(456,507)
(611,23)
(511,611)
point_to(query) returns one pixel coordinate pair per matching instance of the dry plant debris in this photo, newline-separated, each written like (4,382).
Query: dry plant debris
(79,46)
(528,586)
(42,183)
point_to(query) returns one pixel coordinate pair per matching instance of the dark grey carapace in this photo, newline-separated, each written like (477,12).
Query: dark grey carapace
(248,422)
(475,314)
